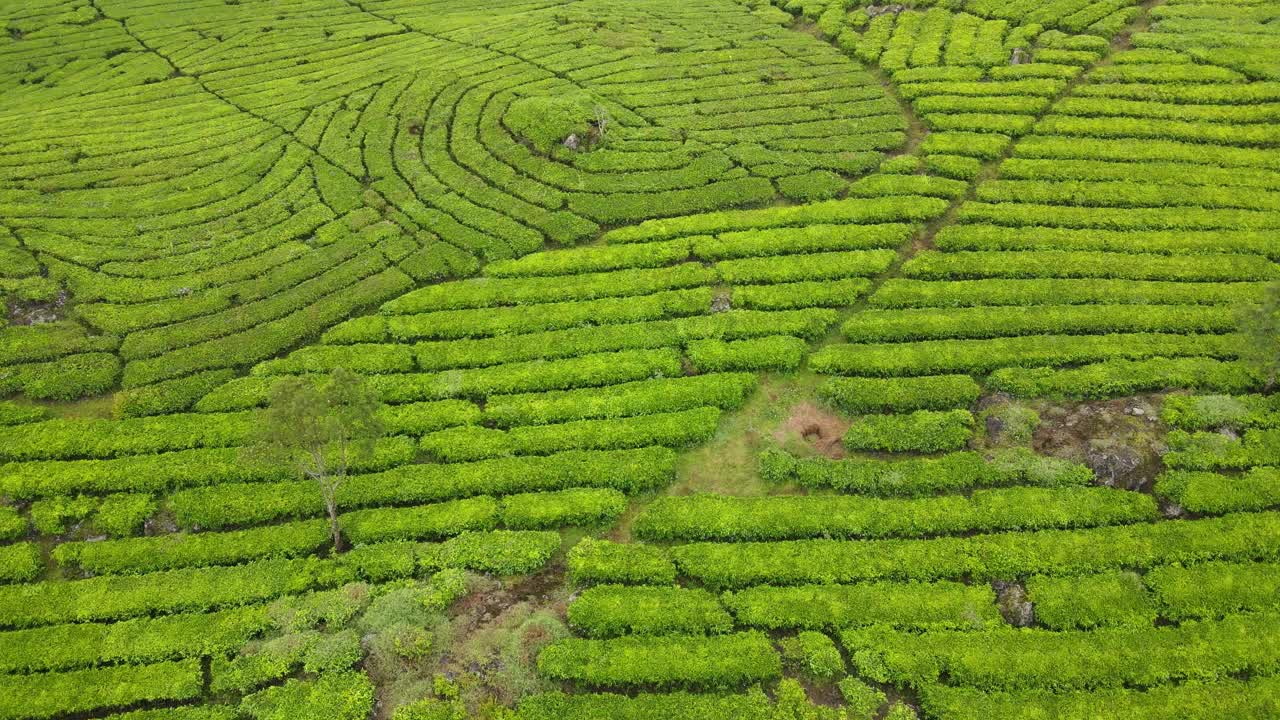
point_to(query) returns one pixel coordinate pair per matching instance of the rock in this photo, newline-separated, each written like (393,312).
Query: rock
(721,303)
(1139,412)
(1113,464)
(1011,598)
(877,10)
(1172,510)
(1229,432)
(572,142)
(995,425)
(1019,57)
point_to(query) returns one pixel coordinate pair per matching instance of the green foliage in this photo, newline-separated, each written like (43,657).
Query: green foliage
(863,395)
(501,552)
(723,390)
(123,514)
(814,656)
(564,508)
(1206,412)
(768,353)
(1243,536)
(20,562)
(862,700)
(1109,657)
(604,561)
(1260,331)
(546,121)
(924,476)
(1213,590)
(79,691)
(1118,377)
(169,396)
(612,610)
(812,186)
(56,515)
(1083,603)
(140,641)
(629,471)
(336,696)
(431,709)
(920,431)
(783,517)
(831,607)
(168,552)
(712,662)
(1248,700)
(1212,494)
(12,524)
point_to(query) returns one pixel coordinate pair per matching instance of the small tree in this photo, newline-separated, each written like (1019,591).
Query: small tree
(320,429)
(1260,329)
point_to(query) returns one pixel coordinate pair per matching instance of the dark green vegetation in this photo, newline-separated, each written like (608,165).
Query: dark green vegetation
(699,360)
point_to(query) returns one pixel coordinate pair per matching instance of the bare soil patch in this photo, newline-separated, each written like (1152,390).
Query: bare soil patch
(815,427)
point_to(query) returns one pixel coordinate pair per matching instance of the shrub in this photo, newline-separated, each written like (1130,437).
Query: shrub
(604,561)
(925,476)
(501,552)
(572,508)
(613,610)
(718,517)
(814,656)
(832,607)
(1082,603)
(46,695)
(714,662)
(920,431)
(768,353)
(1001,555)
(864,395)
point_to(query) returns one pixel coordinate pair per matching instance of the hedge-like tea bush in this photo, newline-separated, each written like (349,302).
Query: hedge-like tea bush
(613,610)
(603,561)
(1214,494)
(906,605)
(563,508)
(79,645)
(904,293)
(726,518)
(1214,590)
(1206,412)
(1111,378)
(931,357)
(1253,699)
(924,476)
(173,551)
(1089,601)
(1243,536)
(874,395)
(781,352)
(20,562)
(984,322)
(1109,657)
(920,431)
(710,662)
(723,390)
(46,695)
(629,471)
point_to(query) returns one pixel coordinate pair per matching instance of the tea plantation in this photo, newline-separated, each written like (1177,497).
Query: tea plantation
(812,360)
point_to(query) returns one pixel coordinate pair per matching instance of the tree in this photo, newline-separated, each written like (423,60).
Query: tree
(320,429)
(1260,330)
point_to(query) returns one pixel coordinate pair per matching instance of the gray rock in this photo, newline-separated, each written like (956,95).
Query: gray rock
(1113,464)
(877,10)
(1019,57)
(572,142)
(1011,598)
